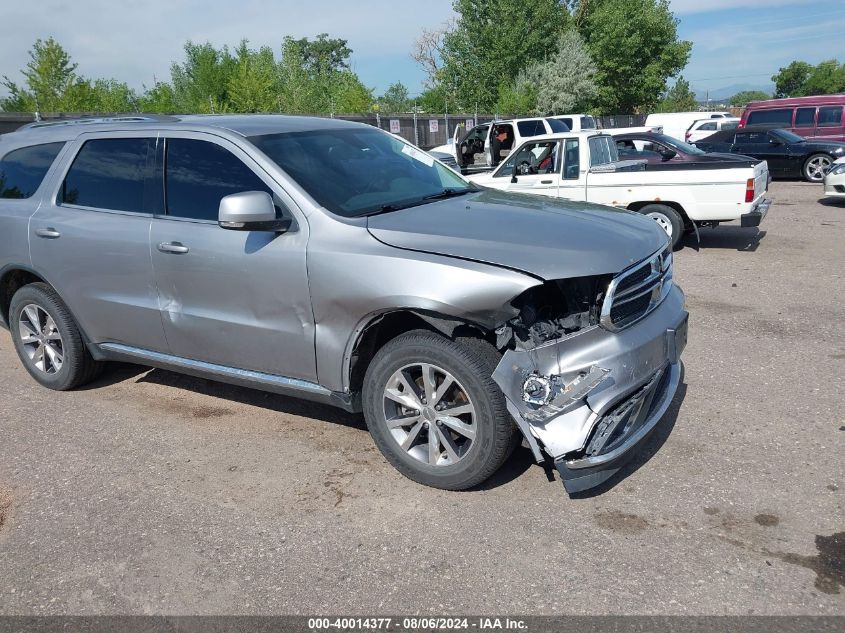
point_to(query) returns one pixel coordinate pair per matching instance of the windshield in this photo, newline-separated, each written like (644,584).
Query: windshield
(788,136)
(359,171)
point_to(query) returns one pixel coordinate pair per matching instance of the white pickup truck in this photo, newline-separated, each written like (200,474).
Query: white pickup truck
(586,166)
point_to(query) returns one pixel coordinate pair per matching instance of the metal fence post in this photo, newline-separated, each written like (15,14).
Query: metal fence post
(416,128)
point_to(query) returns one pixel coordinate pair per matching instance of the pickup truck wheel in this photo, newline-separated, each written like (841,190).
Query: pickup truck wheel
(434,411)
(48,340)
(667,219)
(816,167)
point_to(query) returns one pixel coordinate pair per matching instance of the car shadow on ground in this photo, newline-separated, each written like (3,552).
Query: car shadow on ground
(726,237)
(519,463)
(832,202)
(120,372)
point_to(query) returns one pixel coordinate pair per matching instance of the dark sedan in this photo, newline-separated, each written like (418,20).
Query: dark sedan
(788,154)
(660,149)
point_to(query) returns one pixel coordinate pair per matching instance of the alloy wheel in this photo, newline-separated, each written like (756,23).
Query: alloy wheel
(42,342)
(429,414)
(817,168)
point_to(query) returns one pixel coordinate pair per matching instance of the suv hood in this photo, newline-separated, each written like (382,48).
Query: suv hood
(547,238)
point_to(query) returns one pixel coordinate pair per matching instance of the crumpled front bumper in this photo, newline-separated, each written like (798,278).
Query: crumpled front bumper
(604,392)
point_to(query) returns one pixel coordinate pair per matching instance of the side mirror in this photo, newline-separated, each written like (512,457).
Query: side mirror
(775,141)
(250,211)
(668,154)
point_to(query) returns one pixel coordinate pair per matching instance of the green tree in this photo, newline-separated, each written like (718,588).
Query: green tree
(636,48)
(434,99)
(741,99)
(566,82)
(826,78)
(519,97)
(200,82)
(395,99)
(49,73)
(789,81)
(253,84)
(158,99)
(491,42)
(678,98)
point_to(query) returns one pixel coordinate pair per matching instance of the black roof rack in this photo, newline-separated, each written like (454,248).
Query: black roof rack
(95,120)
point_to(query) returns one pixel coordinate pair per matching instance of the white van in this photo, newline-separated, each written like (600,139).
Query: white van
(705,127)
(676,124)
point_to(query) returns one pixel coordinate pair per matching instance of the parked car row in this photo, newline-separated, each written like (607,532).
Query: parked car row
(332,261)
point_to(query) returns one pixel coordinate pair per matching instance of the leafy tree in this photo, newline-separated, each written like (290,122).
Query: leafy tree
(395,99)
(324,54)
(253,84)
(434,99)
(826,78)
(158,99)
(566,83)
(679,98)
(519,97)
(789,81)
(199,83)
(491,42)
(636,48)
(741,99)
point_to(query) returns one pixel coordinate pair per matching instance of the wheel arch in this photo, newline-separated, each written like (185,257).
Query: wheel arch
(13,277)
(677,206)
(376,330)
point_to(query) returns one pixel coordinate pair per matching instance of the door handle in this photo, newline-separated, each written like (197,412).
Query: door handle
(49,233)
(172,247)
(546,182)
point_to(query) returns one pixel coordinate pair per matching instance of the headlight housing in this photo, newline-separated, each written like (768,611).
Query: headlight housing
(837,169)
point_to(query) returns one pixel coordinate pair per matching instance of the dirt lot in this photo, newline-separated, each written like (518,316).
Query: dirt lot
(153,493)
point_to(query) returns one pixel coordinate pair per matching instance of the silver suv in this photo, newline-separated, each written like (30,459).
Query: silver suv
(332,261)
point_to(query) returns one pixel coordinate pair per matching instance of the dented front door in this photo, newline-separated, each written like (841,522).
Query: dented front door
(233,298)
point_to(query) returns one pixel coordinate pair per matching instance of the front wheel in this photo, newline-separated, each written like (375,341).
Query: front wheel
(434,411)
(816,167)
(667,219)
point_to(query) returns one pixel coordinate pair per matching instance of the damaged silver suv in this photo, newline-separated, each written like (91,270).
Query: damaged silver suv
(332,261)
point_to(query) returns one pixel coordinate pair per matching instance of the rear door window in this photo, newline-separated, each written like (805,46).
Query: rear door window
(22,170)
(531,128)
(830,116)
(602,151)
(751,138)
(711,125)
(110,173)
(780,116)
(805,117)
(571,159)
(198,174)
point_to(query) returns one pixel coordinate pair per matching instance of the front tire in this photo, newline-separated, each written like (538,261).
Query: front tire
(816,167)
(47,339)
(434,411)
(667,219)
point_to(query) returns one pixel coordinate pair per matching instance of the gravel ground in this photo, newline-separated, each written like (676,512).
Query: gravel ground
(150,492)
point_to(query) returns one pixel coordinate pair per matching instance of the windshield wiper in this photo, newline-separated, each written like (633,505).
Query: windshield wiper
(449,193)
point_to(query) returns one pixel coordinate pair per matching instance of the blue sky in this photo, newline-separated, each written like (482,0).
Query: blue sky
(736,42)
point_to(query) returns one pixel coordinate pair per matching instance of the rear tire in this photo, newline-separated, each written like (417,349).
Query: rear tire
(47,339)
(816,167)
(423,437)
(667,219)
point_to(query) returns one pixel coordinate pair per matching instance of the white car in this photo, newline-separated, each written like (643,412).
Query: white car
(676,124)
(834,181)
(473,150)
(585,166)
(705,127)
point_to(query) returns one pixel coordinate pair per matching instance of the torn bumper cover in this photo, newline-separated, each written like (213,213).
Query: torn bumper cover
(590,399)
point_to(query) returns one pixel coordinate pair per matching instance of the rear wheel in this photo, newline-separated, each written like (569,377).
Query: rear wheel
(47,339)
(816,167)
(667,219)
(434,411)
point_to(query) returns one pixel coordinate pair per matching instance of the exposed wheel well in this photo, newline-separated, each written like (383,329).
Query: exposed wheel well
(12,281)
(636,206)
(384,328)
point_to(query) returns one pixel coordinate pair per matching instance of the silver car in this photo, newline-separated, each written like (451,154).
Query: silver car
(331,261)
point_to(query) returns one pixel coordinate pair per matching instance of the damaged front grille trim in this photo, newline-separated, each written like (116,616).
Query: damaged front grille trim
(658,282)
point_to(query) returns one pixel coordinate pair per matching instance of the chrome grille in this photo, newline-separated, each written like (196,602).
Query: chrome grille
(635,292)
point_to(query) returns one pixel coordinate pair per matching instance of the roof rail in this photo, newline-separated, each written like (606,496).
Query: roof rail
(95,120)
